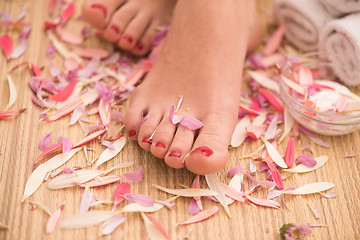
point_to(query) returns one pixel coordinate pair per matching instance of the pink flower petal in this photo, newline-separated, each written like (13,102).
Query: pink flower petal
(272,129)
(329,195)
(68,37)
(90,137)
(107,144)
(140,199)
(91,53)
(19,50)
(76,115)
(53,220)
(175,119)
(6,44)
(65,93)
(255,131)
(236,170)
(25,32)
(289,154)
(48,150)
(263,202)
(200,216)
(274,41)
(66,144)
(272,99)
(120,191)
(165,203)
(158,226)
(86,201)
(134,176)
(44,142)
(193,207)
(275,175)
(307,160)
(110,226)
(68,13)
(191,123)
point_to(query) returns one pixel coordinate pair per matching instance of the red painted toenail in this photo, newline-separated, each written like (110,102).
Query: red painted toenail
(132,133)
(128,38)
(175,154)
(204,150)
(115,29)
(147,140)
(160,144)
(101,7)
(139,46)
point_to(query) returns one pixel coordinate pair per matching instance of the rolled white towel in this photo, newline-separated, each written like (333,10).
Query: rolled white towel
(341,7)
(303,21)
(339,43)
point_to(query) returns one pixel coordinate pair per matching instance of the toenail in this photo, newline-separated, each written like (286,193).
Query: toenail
(101,7)
(147,140)
(206,151)
(160,144)
(115,29)
(175,154)
(139,46)
(128,38)
(132,133)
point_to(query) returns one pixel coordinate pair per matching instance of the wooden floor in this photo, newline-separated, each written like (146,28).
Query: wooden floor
(19,139)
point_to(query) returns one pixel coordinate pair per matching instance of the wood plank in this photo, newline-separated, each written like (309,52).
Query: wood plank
(19,140)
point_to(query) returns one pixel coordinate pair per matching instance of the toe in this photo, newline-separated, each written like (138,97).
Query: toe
(98,13)
(119,22)
(163,137)
(144,44)
(210,151)
(180,147)
(133,31)
(148,128)
(133,120)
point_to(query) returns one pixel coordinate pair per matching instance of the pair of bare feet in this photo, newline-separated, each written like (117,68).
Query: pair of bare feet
(201,60)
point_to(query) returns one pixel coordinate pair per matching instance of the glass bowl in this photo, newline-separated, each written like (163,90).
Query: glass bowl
(322,122)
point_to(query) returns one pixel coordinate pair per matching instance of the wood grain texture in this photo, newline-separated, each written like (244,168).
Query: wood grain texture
(19,140)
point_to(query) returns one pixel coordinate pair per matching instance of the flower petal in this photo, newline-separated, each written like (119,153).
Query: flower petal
(140,199)
(109,154)
(200,216)
(86,219)
(191,123)
(136,176)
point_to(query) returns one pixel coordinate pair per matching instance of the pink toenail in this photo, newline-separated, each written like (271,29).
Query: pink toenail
(115,29)
(132,133)
(139,46)
(204,150)
(160,144)
(128,38)
(101,7)
(175,154)
(147,140)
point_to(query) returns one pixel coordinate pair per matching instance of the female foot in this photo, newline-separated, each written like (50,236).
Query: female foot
(131,24)
(202,60)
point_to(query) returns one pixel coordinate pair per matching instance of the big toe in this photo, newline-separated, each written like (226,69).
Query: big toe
(210,150)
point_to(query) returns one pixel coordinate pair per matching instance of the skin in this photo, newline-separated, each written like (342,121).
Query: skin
(202,60)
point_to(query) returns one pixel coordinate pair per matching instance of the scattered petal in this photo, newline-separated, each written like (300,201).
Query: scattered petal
(312,188)
(303,169)
(110,226)
(53,220)
(329,195)
(86,219)
(6,44)
(136,176)
(154,229)
(200,216)
(189,192)
(109,154)
(240,133)
(70,180)
(13,93)
(215,186)
(307,160)
(86,201)
(140,199)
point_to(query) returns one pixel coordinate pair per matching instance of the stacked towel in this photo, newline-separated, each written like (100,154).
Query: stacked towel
(341,7)
(340,44)
(304,20)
